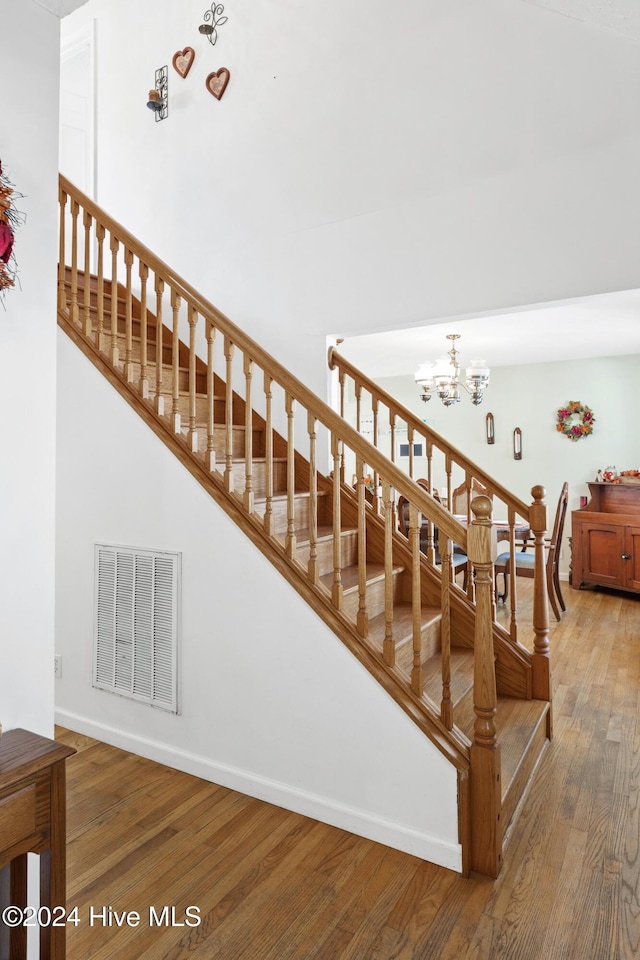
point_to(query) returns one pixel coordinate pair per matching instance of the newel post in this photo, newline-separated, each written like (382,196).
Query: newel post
(541,664)
(486,791)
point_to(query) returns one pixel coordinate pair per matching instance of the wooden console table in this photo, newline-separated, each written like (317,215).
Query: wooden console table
(605,538)
(32,820)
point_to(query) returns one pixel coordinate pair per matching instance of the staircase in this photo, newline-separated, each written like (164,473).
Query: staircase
(255,438)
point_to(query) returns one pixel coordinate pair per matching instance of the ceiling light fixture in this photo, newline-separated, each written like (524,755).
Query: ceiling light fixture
(443,377)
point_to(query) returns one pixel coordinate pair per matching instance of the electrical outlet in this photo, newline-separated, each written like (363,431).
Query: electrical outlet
(57,665)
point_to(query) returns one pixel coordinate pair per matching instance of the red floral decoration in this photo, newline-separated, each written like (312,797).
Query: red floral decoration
(10,219)
(575,420)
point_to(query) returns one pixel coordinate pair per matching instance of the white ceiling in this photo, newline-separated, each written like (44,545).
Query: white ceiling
(601,326)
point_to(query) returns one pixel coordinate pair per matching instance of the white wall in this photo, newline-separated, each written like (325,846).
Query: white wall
(29,153)
(275,707)
(529,397)
(370,167)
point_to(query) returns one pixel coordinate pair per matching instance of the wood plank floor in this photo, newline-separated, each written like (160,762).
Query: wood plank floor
(271,884)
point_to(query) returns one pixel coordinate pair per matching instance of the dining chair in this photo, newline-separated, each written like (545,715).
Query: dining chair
(525,561)
(459,561)
(463,495)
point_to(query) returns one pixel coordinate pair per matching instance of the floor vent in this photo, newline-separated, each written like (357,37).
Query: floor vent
(136,624)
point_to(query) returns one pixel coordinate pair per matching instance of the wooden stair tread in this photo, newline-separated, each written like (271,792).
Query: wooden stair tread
(350,576)
(461,675)
(280,497)
(518,724)
(324,534)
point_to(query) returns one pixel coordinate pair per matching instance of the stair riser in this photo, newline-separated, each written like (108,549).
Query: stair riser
(301,514)
(237,445)
(324,558)
(167,375)
(430,646)
(523,776)
(259,477)
(375,597)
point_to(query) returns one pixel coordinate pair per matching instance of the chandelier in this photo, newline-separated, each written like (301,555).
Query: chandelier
(443,377)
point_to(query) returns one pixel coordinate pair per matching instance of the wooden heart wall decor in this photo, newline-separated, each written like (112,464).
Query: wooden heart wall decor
(183,61)
(217,81)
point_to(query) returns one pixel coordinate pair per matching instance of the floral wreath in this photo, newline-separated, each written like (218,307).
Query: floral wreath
(10,218)
(575,420)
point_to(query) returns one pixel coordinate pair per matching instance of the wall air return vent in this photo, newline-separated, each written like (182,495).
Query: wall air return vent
(136,624)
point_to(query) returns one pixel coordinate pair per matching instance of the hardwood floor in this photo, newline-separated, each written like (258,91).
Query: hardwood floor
(271,884)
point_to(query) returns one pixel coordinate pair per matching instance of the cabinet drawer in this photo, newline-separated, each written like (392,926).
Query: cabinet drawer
(18,817)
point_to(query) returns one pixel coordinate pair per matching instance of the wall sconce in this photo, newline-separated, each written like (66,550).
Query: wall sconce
(159,97)
(517,444)
(490,431)
(212,20)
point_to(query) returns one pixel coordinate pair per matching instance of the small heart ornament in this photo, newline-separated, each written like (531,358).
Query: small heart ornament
(217,81)
(183,61)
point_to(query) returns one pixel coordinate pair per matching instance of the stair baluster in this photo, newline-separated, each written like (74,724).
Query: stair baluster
(128,321)
(312,568)
(341,474)
(392,432)
(248,436)
(376,479)
(100,235)
(159,401)
(114,353)
(175,361)
(411,471)
(290,542)
(143,383)
(513,595)
(417,678)
(337,592)
(228,415)
(541,654)
(446,706)
(268,439)
(388,499)
(73,310)
(192,436)
(447,467)
(362,619)
(211,389)
(86,323)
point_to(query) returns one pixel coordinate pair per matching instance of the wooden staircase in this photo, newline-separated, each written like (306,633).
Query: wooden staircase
(470,685)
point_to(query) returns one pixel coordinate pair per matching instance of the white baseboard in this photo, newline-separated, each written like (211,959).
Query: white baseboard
(360,822)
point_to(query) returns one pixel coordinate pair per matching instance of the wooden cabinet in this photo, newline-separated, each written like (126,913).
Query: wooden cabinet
(606,538)
(32,819)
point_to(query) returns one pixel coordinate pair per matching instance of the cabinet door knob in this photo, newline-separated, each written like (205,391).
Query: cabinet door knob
(626,556)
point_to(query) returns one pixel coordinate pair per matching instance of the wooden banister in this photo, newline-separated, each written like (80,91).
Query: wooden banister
(236,339)
(250,432)
(515,511)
